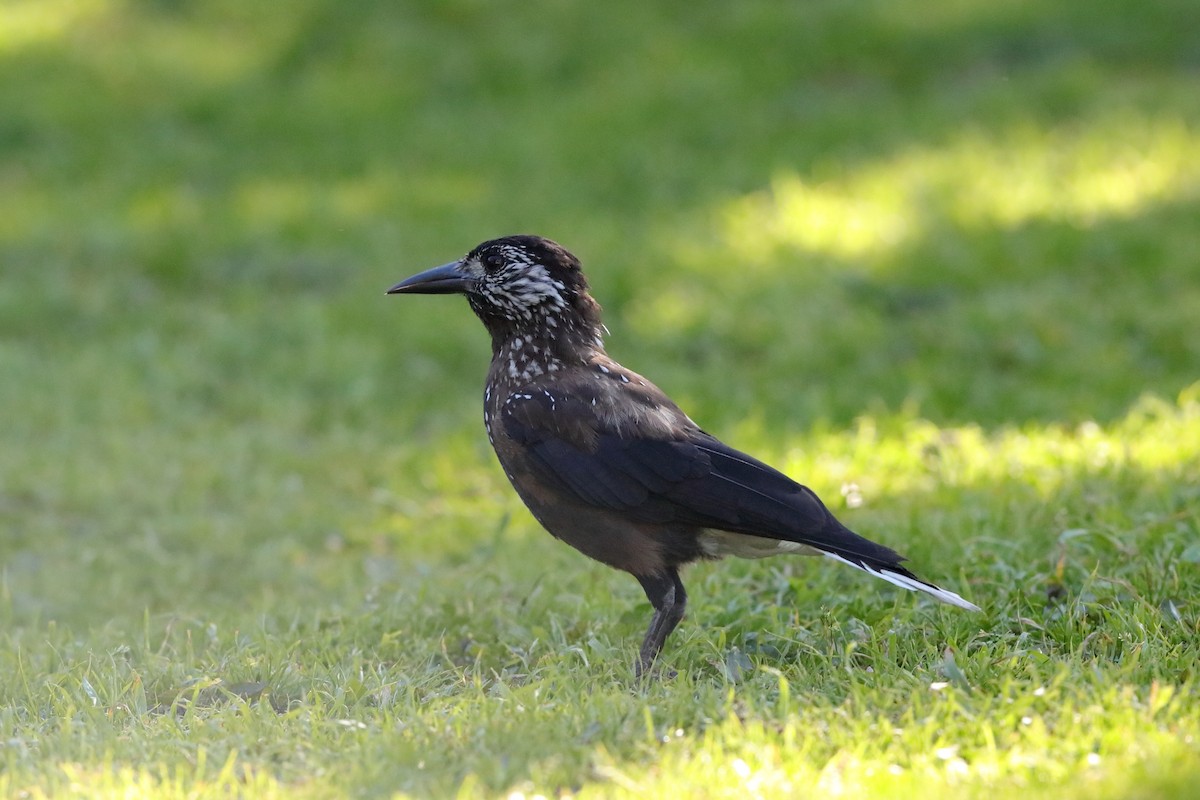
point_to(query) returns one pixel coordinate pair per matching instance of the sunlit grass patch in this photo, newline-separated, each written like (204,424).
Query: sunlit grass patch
(1156,440)
(1050,743)
(111,781)
(1080,173)
(25,23)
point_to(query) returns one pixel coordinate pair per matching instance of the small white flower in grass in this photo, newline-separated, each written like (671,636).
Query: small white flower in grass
(1093,759)
(741,768)
(853,495)
(938,686)
(90,692)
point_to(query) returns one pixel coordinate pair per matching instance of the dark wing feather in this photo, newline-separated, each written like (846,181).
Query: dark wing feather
(693,479)
(635,478)
(773,505)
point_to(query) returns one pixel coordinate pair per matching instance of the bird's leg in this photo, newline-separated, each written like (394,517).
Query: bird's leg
(666,593)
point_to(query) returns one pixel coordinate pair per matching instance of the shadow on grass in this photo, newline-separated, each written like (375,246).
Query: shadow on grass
(1045,321)
(284,165)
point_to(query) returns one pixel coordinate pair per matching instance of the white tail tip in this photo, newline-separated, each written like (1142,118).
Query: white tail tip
(905,582)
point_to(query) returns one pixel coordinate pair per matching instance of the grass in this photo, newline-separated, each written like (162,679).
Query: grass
(935,259)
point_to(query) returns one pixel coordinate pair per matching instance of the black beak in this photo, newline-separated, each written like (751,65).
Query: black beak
(445,279)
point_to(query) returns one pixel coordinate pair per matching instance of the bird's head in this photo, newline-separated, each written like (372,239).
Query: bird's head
(518,286)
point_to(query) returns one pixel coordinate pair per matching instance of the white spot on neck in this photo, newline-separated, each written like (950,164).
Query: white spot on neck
(526,361)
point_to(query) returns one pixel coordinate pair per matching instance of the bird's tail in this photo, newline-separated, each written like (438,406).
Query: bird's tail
(899,576)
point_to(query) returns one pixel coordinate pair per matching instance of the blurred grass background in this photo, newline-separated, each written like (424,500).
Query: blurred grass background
(940,255)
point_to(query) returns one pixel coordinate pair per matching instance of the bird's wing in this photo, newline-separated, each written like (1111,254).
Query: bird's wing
(567,444)
(682,476)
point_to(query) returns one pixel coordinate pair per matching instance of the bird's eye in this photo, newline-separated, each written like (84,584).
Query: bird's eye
(493,262)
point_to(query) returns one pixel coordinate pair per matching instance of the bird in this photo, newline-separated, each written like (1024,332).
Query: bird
(607,462)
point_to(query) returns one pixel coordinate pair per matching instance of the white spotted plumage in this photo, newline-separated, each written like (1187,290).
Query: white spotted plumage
(521,287)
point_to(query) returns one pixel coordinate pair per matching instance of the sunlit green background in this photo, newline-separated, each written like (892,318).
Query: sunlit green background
(940,260)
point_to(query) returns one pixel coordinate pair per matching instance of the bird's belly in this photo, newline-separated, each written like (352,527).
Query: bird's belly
(716,544)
